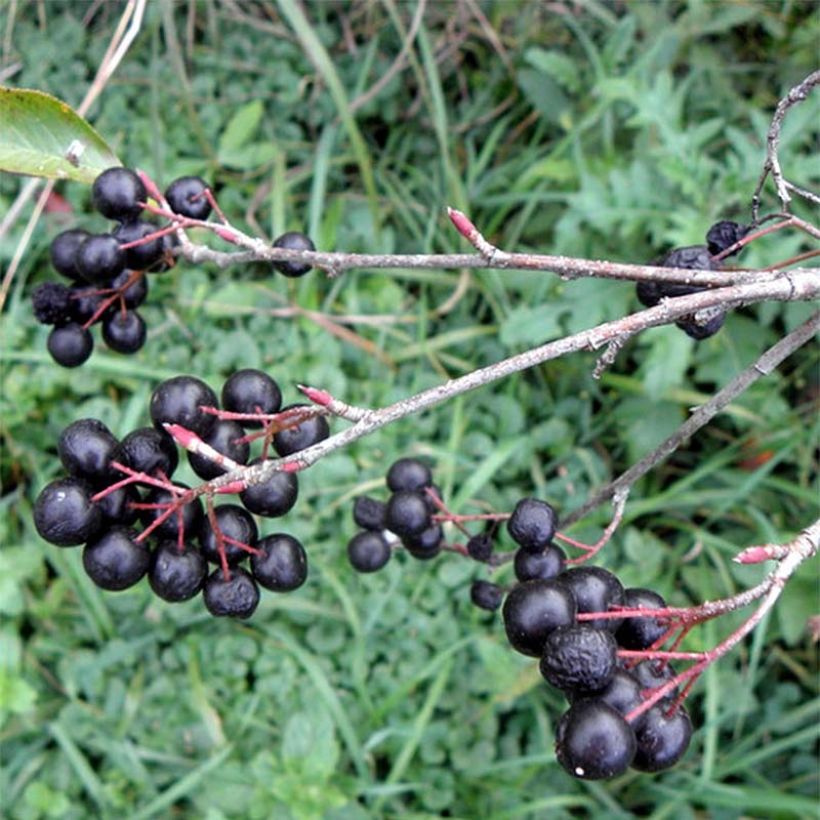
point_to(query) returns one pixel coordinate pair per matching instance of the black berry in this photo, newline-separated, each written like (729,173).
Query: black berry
(426,544)
(579,658)
(662,739)
(408,474)
(51,302)
(548,563)
(124,331)
(532,610)
(594,742)
(723,235)
(70,345)
(176,574)
(227,438)
(622,693)
(135,294)
(293,241)
(595,590)
(273,497)
(116,560)
(117,506)
(64,513)
(117,194)
(180,400)
(368,551)
(703,328)
(302,435)
(407,513)
(640,633)
(369,512)
(486,595)
(480,546)
(86,448)
(251,391)
(185,196)
(532,524)
(150,451)
(281,563)
(63,251)
(187,518)
(236,596)
(148,253)
(235,525)
(100,259)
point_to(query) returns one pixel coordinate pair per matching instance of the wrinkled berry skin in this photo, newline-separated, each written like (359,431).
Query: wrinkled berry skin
(723,235)
(532,524)
(234,597)
(579,658)
(594,742)
(51,302)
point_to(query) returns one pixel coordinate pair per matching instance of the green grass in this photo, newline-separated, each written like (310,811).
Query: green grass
(608,130)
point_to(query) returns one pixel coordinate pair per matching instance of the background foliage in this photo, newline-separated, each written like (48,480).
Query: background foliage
(602,129)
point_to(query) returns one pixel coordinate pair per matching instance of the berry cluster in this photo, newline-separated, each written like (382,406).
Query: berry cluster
(406,518)
(566,617)
(107,270)
(719,239)
(112,487)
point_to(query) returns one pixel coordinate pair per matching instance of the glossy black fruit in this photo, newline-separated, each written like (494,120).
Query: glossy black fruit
(70,345)
(100,259)
(300,436)
(185,196)
(176,575)
(654,673)
(368,551)
(63,251)
(579,658)
(532,524)
(189,516)
(150,451)
(532,610)
(486,595)
(116,560)
(594,742)
(273,497)
(86,448)
(251,391)
(369,512)
(282,564)
(64,514)
(723,235)
(145,256)
(124,331)
(296,242)
(136,293)
(236,525)
(179,400)
(640,633)
(236,596)
(227,438)
(51,302)
(117,194)
(85,303)
(662,739)
(622,693)
(117,506)
(407,513)
(409,474)
(480,546)
(426,544)
(595,590)
(548,563)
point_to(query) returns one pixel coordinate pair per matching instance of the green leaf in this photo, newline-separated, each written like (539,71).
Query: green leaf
(239,130)
(532,325)
(44,137)
(309,745)
(665,366)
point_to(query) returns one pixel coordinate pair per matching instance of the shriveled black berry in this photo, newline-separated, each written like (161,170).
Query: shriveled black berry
(63,251)
(227,438)
(124,331)
(251,391)
(408,474)
(117,194)
(407,513)
(236,596)
(622,693)
(64,514)
(368,551)
(116,559)
(648,293)
(703,327)
(176,575)
(70,345)
(117,506)
(273,497)
(548,563)
(486,595)
(532,610)
(136,293)
(145,256)
(281,564)
(579,658)
(369,512)
(100,259)
(662,739)
(293,241)
(426,544)
(594,742)
(189,516)
(86,448)
(235,525)
(185,196)
(691,257)
(723,235)
(480,546)
(51,302)
(179,400)
(640,633)
(595,589)
(532,524)
(150,451)
(302,435)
